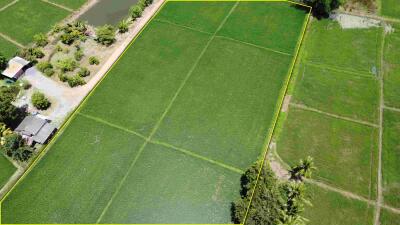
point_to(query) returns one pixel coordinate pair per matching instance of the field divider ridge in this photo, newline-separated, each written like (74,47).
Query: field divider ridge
(11,40)
(307,108)
(58,6)
(182,26)
(99,120)
(279,105)
(157,125)
(391,108)
(194,155)
(254,45)
(8,5)
(333,68)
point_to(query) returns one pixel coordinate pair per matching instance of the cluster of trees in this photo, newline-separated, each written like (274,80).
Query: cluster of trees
(322,8)
(274,201)
(105,35)
(9,114)
(15,147)
(31,54)
(40,101)
(72,32)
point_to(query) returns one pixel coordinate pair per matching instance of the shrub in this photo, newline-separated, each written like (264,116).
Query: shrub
(49,72)
(58,48)
(26,85)
(56,28)
(40,101)
(66,65)
(42,66)
(145,3)
(72,32)
(67,38)
(93,60)
(79,55)
(136,11)
(83,72)
(62,77)
(105,35)
(76,81)
(123,26)
(40,40)
(3,62)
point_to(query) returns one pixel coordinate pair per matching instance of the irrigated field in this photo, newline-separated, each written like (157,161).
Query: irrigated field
(346,95)
(391,8)
(167,134)
(6,170)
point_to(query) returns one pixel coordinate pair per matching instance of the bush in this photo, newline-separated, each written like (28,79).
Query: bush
(66,65)
(72,32)
(136,11)
(63,77)
(145,3)
(40,101)
(49,72)
(83,72)
(79,55)
(93,60)
(42,66)
(40,40)
(3,62)
(105,35)
(123,26)
(56,28)
(76,81)
(26,85)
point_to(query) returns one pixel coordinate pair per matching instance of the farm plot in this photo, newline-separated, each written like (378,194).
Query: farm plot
(391,8)
(389,218)
(6,170)
(167,134)
(392,68)
(8,49)
(391,158)
(342,210)
(73,4)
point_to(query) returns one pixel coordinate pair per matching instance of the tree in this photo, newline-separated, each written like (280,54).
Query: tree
(105,35)
(83,72)
(303,169)
(40,101)
(93,60)
(3,62)
(9,114)
(15,147)
(136,11)
(123,25)
(75,81)
(40,40)
(322,8)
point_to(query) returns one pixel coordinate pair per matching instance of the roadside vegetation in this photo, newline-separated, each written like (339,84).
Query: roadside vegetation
(40,101)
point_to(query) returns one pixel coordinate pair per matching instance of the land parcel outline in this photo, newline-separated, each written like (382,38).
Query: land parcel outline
(166,135)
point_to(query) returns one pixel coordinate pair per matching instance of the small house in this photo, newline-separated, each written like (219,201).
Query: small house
(35,129)
(16,67)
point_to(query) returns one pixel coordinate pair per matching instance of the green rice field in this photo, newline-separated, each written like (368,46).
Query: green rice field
(390,8)
(6,170)
(166,136)
(8,49)
(73,4)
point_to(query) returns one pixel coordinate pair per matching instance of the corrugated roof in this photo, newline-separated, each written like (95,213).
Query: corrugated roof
(31,125)
(44,133)
(14,66)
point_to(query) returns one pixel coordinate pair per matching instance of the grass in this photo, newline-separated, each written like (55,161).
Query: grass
(389,218)
(6,170)
(215,97)
(330,45)
(273,25)
(77,177)
(392,68)
(219,113)
(73,4)
(7,48)
(168,186)
(29,18)
(339,93)
(139,89)
(391,8)
(331,208)
(4,3)
(345,153)
(391,158)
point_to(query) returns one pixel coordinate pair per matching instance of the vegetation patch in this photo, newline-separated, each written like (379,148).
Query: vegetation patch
(391,8)
(389,218)
(347,159)
(392,68)
(6,170)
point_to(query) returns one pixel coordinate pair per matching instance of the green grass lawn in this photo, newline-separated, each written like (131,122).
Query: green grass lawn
(389,218)
(26,18)
(346,49)
(73,4)
(214,98)
(6,170)
(391,158)
(224,112)
(392,68)
(391,8)
(168,186)
(339,93)
(345,153)
(7,48)
(4,3)
(330,208)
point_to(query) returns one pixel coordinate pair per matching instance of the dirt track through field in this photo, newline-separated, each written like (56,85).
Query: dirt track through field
(8,5)
(11,40)
(58,5)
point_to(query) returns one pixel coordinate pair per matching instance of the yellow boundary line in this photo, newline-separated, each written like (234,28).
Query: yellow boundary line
(277,112)
(83,102)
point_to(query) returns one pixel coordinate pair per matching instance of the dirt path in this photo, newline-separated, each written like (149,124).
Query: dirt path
(300,106)
(391,108)
(370,16)
(8,5)
(11,40)
(58,5)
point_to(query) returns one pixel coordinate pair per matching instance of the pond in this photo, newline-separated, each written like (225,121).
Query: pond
(107,12)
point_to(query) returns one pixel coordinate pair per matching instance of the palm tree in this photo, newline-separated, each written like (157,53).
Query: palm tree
(303,170)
